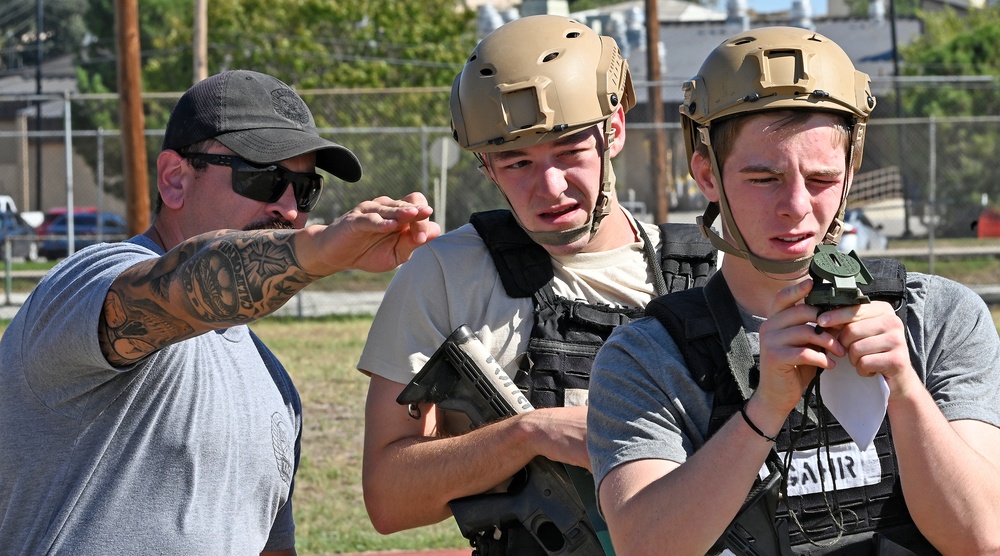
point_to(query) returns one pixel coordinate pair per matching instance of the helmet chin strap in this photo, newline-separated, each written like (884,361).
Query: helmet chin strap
(768,266)
(601,207)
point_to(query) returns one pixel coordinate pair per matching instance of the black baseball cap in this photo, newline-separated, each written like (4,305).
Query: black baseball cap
(257,117)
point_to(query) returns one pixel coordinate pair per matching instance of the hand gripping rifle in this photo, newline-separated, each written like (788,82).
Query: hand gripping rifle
(462,376)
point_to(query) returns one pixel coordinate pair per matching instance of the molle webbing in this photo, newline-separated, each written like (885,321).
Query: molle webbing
(687,257)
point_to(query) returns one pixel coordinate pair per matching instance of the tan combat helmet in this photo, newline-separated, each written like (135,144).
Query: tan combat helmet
(537,79)
(773,68)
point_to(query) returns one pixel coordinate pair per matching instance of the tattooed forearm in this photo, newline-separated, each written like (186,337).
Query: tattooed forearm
(243,276)
(216,285)
(226,278)
(162,276)
(133,329)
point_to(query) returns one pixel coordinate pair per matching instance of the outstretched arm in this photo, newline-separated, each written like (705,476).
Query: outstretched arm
(229,277)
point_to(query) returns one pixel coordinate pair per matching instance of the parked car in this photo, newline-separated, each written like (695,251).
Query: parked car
(88,229)
(54,213)
(861,234)
(20,234)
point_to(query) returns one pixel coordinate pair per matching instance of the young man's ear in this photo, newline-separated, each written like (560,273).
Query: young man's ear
(617,123)
(701,170)
(171,174)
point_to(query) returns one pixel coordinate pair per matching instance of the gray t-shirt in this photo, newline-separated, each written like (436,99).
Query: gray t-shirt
(644,404)
(191,451)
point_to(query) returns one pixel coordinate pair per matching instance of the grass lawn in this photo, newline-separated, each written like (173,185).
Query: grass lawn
(320,354)
(330,516)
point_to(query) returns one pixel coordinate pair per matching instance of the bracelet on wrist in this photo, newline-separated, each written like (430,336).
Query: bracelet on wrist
(743,412)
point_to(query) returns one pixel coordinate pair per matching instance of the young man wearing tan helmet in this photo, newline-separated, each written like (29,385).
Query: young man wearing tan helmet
(715,427)
(541,102)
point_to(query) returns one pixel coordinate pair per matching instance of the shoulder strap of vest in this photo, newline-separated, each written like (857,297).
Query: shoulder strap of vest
(685,316)
(687,257)
(523,265)
(710,336)
(888,284)
(729,323)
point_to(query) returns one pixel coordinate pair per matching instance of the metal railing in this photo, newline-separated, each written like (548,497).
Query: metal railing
(9,250)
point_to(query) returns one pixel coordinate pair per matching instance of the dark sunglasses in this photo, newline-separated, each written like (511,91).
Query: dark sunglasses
(267,183)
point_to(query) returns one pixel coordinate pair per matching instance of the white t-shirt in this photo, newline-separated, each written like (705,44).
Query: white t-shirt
(453,281)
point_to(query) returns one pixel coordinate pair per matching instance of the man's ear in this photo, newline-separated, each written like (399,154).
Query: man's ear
(171,175)
(701,170)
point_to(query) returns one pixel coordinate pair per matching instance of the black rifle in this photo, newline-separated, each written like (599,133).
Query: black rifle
(462,376)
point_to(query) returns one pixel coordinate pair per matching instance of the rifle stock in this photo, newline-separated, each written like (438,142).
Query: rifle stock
(462,376)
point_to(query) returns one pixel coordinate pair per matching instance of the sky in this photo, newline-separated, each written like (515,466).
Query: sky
(764,6)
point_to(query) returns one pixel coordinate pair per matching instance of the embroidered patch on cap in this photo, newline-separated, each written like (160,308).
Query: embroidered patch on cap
(289,105)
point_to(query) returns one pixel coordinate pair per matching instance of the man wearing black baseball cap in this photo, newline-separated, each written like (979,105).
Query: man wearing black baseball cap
(257,117)
(139,413)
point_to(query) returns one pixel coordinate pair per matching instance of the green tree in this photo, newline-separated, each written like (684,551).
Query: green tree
(309,44)
(954,44)
(959,45)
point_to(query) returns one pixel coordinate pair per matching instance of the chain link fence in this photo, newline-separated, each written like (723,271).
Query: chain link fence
(922,177)
(921,174)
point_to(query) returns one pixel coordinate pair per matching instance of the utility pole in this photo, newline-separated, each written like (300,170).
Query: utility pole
(662,162)
(38,105)
(132,120)
(200,46)
(904,172)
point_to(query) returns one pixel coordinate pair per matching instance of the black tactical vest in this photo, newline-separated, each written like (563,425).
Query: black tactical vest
(567,333)
(875,517)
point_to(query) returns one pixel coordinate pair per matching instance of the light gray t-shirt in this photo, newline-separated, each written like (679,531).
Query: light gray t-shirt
(191,451)
(644,404)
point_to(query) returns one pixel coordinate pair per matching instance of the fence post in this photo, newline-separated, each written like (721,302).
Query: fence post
(932,193)
(68,142)
(8,269)
(424,164)
(100,174)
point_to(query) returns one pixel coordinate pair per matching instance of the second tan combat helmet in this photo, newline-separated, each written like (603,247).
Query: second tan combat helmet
(535,80)
(773,68)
